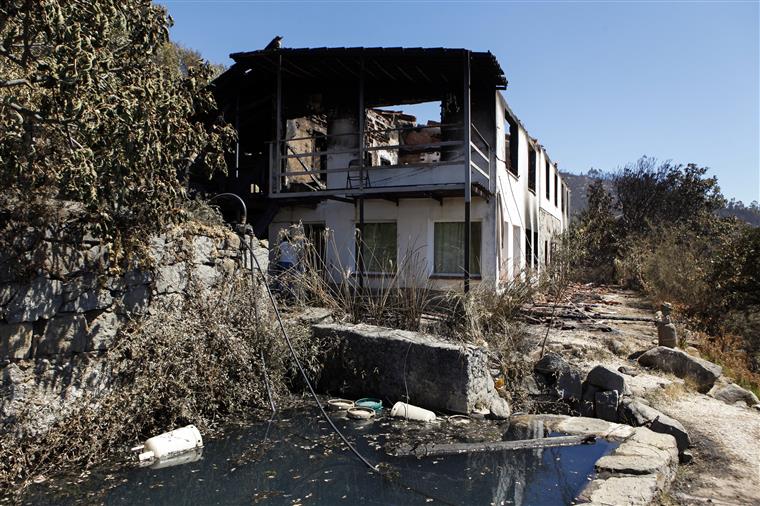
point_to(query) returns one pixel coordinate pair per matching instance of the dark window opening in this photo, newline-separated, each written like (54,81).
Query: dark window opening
(511,146)
(528,248)
(556,192)
(548,176)
(531,169)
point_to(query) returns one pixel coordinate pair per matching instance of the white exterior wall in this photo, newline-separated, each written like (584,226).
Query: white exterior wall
(414,218)
(504,217)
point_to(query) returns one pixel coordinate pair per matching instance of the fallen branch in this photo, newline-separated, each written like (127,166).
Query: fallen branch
(435,450)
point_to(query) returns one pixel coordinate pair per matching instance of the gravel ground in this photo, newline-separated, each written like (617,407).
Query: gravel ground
(726,439)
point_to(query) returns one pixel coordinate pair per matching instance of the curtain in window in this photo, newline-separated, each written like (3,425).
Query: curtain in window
(449,248)
(380,247)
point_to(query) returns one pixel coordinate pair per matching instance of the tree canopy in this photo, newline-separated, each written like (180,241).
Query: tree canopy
(92,111)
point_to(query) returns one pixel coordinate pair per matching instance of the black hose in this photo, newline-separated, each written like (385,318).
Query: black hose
(300,368)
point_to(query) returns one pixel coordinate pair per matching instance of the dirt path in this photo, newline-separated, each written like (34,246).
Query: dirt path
(726,439)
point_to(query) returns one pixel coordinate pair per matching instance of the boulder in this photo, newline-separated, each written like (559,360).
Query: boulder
(587,399)
(733,393)
(606,379)
(569,385)
(701,372)
(636,413)
(551,364)
(606,405)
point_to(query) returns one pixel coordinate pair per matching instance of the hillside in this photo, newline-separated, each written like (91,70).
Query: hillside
(579,182)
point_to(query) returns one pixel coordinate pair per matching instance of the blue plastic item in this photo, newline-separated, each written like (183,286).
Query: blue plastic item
(369,402)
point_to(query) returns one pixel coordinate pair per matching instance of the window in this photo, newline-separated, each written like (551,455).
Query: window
(512,143)
(548,176)
(531,168)
(380,248)
(528,249)
(556,192)
(449,248)
(535,249)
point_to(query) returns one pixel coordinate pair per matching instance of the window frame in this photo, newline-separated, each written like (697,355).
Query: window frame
(367,269)
(479,264)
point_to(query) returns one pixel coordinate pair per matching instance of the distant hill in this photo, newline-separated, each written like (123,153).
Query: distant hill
(577,183)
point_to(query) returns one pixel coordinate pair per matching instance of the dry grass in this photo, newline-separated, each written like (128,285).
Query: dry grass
(194,361)
(728,352)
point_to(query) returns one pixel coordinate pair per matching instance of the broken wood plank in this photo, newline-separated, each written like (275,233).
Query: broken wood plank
(435,450)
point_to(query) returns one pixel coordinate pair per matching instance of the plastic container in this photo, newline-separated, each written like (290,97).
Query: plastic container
(170,444)
(369,402)
(409,412)
(340,404)
(360,413)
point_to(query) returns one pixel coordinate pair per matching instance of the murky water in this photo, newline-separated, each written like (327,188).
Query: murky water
(296,459)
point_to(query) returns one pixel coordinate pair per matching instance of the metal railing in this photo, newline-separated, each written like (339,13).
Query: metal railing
(383,149)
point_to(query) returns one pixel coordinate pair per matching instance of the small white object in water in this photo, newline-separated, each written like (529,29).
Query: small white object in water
(170,444)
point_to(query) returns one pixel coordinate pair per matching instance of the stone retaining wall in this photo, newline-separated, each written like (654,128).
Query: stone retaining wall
(71,302)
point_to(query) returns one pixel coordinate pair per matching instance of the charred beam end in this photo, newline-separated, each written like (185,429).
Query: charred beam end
(436,450)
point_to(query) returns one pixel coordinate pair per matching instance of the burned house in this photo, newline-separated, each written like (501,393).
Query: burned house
(323,140)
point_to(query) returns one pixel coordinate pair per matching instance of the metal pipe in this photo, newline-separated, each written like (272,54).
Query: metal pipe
(233,196)
(467,170)
(361,174)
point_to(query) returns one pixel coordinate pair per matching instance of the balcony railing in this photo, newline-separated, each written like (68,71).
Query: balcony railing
(401,159)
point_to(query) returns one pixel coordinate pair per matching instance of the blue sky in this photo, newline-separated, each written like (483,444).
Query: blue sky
(599,84)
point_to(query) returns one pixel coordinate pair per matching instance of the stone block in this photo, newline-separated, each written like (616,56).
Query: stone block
(16,340)
(693,369)
(89,301)
(203,250)
(171,278)
(639,414)
(206,275)
(629,490)
(40,299)
(64,335)
(102,331)
(606,405)
(135,300)
(606,379)
(387,363)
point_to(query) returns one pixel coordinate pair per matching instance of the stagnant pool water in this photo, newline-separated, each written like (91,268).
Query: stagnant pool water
(296,459)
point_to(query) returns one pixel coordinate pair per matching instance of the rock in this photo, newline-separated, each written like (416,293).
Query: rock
(64,335)
(206,275)
(606,405)
(388,363)
(628,371)
(733,393)
(551,364)
(500,408)
(757,406)
(592,426)
(135,300)
(569,385)
(666,335)
(171,278)
(102,331)
(588,398)
(636,413)
(615,347)
(37,300)
(16,340)
(203,250)
(606,378)
(693,369)
(232,241)
(88,301)
(628,490)
(691,350)
(635,458)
